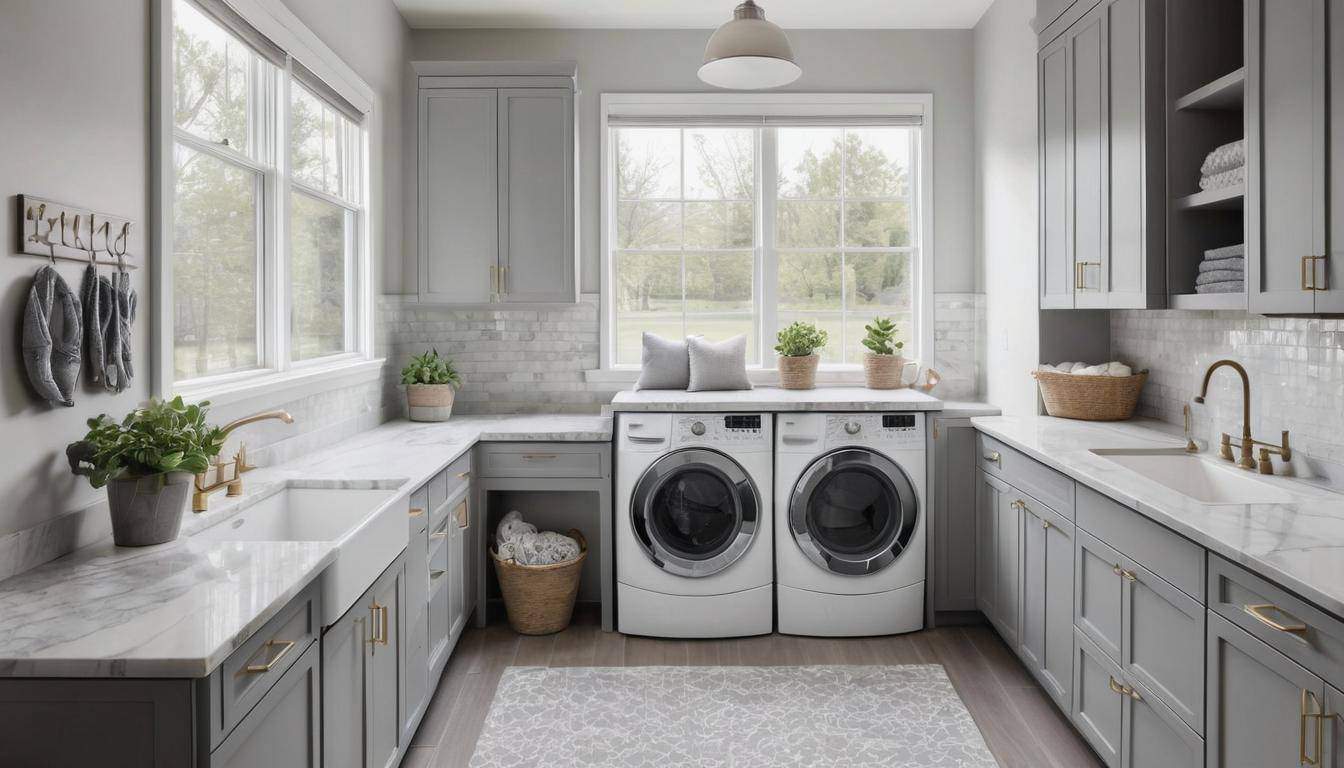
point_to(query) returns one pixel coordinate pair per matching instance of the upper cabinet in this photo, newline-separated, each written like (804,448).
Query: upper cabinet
(1101,102)
(496,183)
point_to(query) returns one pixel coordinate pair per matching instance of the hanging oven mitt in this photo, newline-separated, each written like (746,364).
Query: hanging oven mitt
(52,364)
(93,325)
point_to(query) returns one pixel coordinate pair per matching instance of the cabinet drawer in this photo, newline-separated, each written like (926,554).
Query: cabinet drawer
(1304,633)
(249,672)
(419,509)
(1167,554)
(1052,488)
(541,460)
(457,505)
(1098,711)
(285,727)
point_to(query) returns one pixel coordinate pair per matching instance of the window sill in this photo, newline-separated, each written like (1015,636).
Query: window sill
(839,376)
(288,385)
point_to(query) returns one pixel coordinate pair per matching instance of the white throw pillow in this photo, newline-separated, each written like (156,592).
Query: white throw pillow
(665,364)
(718,365)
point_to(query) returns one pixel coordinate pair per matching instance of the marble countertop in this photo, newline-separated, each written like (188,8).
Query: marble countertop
(776,399)
(179,609)
(1298,545)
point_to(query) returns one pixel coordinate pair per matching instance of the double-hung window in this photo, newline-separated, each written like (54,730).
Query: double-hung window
(264,209)
(721,222)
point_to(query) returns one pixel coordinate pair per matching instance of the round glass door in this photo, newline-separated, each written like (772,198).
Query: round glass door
(853,511)
(694,512)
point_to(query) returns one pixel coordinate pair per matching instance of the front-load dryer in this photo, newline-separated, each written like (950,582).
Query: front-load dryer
(849,523)
(693,524)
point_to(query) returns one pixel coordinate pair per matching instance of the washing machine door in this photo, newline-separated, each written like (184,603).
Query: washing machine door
(853,511)
(694,512)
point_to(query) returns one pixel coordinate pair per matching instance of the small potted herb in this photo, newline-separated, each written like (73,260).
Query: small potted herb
(430,384)
(147,463)
(883,365)
(797,348)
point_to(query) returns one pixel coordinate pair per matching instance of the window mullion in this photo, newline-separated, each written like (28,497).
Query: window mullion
(767,188)
(844,273)
(278,293)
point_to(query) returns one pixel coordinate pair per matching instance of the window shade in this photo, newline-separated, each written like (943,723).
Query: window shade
(228,18)
(847,121)
(328,94)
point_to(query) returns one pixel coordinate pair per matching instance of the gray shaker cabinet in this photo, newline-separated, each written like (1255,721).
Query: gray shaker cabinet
(1152,736)
(1098,593)
(283,729)
(1054,84)
(998,524)
(1098,709)
(1047,598)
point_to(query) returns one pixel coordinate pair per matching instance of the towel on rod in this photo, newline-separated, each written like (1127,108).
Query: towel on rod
(1227,286)
(1220,276)
(1224,158)
(1224,179)
(1236,263)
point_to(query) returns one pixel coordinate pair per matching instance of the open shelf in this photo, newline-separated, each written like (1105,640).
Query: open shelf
(1225,199)
(1227,92)
(1208,300)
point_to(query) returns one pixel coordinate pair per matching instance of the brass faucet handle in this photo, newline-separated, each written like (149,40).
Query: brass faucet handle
(240,464)
(1247,453)
(1264,465)
(1190,445)
(1225,448)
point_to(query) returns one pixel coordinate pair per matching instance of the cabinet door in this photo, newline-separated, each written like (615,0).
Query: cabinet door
(284,728)
(459,237)
(1098,709)
(1098,592)
(1056,190)
(1154,737)
(1285,80)
(1331,274)
(988,490)
(1256,697)
(536,194)
(1047,599)
(1162,645)
(343,675)
(416,633)
(457,571)
(1090,173)
(955,562)
(385,667)
(1008,576)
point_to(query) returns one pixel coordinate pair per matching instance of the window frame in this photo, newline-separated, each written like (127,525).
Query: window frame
(861,109)
(276,371)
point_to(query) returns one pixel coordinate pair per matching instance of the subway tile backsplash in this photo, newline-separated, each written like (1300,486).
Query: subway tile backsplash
(1296,367)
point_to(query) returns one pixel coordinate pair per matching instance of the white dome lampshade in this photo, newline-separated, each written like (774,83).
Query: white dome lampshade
(749,53)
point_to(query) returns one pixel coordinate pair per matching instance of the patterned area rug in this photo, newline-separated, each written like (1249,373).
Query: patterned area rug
(742,717)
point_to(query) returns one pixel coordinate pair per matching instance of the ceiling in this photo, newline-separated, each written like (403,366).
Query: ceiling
(691,14)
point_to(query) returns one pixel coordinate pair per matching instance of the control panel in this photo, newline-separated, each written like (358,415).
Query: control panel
(891,430)
(725,430)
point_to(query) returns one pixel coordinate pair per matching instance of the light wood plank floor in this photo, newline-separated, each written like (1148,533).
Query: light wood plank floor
(1020,724)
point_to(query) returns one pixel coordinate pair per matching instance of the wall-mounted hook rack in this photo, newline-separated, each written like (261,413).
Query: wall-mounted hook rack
(55,230)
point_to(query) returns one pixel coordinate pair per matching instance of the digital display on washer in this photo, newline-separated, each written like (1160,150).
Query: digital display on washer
(742,422)
(898,421)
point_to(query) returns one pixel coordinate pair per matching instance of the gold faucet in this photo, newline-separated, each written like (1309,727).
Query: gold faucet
(1248,443)
(200,500)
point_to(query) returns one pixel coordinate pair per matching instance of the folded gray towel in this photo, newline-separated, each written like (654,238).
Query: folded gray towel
(1227,286)
(1219,276)
(52,364)
(1235,177)
(94,327)
(1236,263)
(1224,158)
(1226,252)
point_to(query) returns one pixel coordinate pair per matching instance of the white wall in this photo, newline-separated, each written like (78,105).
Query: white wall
(612,61)
(74,79)
(1005,199)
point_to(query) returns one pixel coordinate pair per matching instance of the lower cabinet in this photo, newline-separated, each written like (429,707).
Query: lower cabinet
(363,669)
(997,530)
(1047,598)
(283,729)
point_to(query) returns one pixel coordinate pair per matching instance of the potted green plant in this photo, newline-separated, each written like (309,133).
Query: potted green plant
(147,461)
(430,384)
(797,348)
(883,365)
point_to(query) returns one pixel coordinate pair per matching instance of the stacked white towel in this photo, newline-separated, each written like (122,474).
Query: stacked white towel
(1223,270)
(1224,167)
(518,540)
(1083,369)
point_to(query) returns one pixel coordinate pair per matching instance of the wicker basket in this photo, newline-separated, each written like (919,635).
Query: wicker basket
(540,598)
(798,372)
(1090,398)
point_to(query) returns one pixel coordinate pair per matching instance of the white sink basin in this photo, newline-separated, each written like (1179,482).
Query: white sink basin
(1201,479)
(368,526)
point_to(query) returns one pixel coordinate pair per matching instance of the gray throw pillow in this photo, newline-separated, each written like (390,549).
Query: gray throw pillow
(718,365)
(665,362)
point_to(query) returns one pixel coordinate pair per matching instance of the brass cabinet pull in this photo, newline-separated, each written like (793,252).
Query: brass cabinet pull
(1308,267)
(1302,272)
(1123,690)
(378,615)
(462,515)
(1325,273)
(1129,575)
(540,456)
(288,645)
(436,573)
(1305,714)
(994,456)
(417,511)
(463,475)
(1077,275)
(494,281)
(1045,523)
(1257,611)
(1117,570)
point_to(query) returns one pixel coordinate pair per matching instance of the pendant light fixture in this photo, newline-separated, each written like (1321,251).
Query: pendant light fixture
(749,53)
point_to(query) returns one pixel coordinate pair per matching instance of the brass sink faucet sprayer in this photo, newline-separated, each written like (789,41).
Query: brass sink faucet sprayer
(1248,443)
(200,500)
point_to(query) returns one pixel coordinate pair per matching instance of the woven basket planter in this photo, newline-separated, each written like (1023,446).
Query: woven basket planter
(1090,398)
(429,402)
(883,371)
(798,372)
(540,598)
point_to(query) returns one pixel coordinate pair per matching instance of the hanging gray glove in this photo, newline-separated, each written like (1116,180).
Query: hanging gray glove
(93,325)
(52,364)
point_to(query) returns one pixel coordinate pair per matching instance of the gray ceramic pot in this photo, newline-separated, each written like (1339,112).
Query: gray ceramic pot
(147,510)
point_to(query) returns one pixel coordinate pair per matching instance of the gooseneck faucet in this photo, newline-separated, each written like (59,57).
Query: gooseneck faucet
(200,499)
(1248,443)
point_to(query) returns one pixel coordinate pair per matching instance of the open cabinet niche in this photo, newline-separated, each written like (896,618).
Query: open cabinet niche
(1206,77)
(549,511)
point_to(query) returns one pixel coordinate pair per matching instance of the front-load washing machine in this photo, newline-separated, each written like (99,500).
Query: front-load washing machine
(693,524)
(849,523)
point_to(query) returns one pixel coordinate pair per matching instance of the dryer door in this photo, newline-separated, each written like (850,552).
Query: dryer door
(853,511)
(694,512)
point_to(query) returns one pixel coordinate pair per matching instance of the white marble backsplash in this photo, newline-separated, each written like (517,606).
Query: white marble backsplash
(1296,368)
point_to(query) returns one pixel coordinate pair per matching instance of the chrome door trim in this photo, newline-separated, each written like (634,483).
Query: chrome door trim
(747,503)
(877,559)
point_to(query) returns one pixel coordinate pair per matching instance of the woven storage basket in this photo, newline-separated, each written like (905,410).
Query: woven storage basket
(540,598)
(798,372)
(1090,398)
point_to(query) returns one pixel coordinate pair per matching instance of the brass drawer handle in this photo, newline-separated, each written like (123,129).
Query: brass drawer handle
(1302,270)
(417,511)
(1117,570)
(1129,575)
(1305,714)
(994,456)
(463,515)
(462,475)
(437,573)
(540,456)
(288,645)
(1123,690)
(378,615)
(1257,611)
(1045,523)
